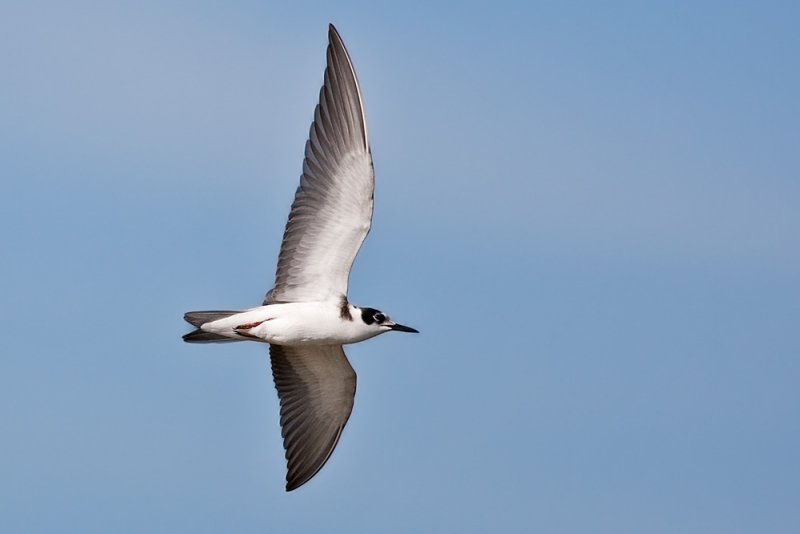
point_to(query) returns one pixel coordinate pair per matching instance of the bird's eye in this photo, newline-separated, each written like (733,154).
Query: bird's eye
(379,317)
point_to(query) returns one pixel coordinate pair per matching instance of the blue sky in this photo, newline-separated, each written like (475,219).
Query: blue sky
(590,212)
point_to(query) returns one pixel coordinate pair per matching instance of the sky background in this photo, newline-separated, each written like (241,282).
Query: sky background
(591,211)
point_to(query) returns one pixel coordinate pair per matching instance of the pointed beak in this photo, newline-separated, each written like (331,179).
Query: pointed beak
(401,328)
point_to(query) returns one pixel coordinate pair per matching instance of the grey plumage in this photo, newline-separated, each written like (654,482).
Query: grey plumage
(332,208)
(200,336)
(198,319)
(316,386)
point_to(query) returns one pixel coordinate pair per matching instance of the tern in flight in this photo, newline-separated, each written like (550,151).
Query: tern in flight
(306,317)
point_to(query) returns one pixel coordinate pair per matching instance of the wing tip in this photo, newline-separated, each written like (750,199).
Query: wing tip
(333,32)
(296,477)
(338,53)
(292,485)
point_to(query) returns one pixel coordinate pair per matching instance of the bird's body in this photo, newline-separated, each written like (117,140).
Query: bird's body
(295,323)
(306,317)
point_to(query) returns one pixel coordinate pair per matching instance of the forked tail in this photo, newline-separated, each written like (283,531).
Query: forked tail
(198,319)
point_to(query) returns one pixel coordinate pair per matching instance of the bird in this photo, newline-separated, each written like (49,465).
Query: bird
(306,317)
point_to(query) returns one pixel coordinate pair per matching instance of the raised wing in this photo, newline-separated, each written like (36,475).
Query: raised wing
(316,386)
(332,209)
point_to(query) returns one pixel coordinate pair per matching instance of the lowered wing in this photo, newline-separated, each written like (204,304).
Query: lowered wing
(316,386)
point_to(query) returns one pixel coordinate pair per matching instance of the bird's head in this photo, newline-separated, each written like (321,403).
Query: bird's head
(377,319)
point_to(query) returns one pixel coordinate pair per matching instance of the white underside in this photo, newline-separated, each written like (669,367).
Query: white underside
(297,323)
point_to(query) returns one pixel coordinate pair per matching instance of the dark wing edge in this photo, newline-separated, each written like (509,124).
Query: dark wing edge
(316,387)
(340,64)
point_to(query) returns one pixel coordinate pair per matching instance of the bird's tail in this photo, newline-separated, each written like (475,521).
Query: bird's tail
(198,319)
